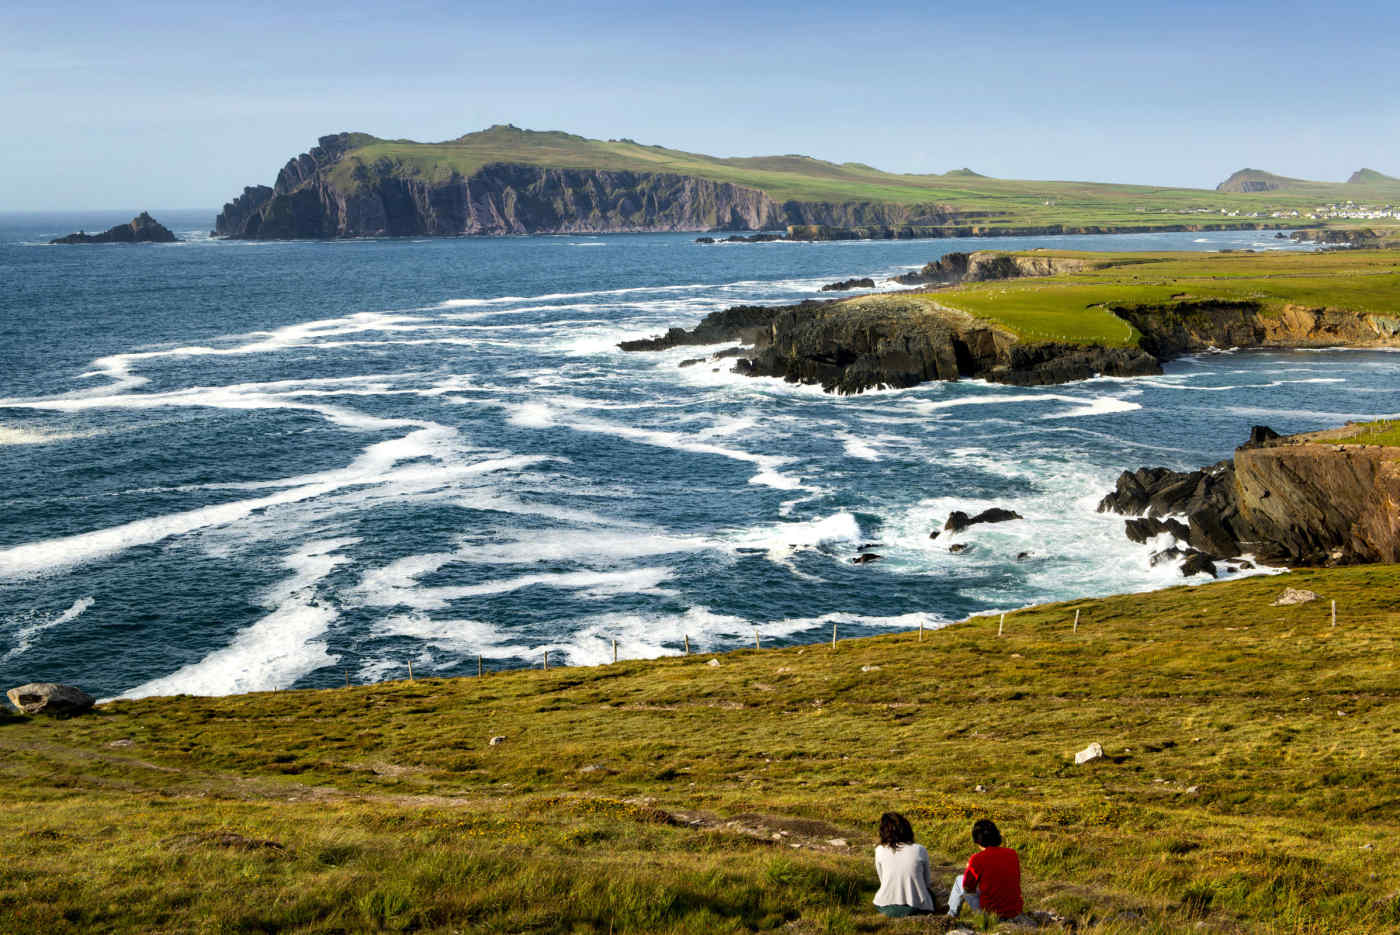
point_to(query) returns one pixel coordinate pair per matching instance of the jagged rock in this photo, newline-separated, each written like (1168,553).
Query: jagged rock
(50,698)
(846,285)
(1092,752)
(1166,555)
(866,558)
(1198,563)
(934,534)
(1294,596)
(141,229)
(1148,527)
(712,240)
(959,547)
(745,323)
(1022,556)
(691,362)
(958,520)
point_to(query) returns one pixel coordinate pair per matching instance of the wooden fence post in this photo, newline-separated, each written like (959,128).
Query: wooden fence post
(614,650)
(410,670)
(478,667)
(833,635)
(1076,620)
(1334,613)
(755,639)
(687,644)
(1001,625)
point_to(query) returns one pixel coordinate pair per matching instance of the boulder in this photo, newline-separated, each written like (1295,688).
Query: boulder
(496,741)
(866,558)
(1294,596)
(1198,563)
(50,698)
(959,547)
(1092,752)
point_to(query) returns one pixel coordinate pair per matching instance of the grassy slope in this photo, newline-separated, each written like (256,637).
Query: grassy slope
(1249,783)
(1384,432)
(1074,307)
(806,179)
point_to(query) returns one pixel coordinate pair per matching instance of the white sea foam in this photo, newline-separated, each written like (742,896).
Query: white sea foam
(280,648)
(858,448)
(30,629)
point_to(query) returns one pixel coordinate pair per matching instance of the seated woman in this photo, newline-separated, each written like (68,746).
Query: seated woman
(902,867)
(992,880)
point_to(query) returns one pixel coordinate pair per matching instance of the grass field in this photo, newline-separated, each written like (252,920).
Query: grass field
(1385,432)
(803,178)
(1074,307)
(1249,783)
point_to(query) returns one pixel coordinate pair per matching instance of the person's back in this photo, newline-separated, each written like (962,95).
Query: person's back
(902,868)
(995,873)
(992,880)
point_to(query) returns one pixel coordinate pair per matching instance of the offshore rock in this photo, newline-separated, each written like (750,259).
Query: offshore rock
(958,520)
(848,284)
(141,229)
(50,698)
(748,324)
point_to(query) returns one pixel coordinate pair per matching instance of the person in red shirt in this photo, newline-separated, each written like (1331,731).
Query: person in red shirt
(992,880)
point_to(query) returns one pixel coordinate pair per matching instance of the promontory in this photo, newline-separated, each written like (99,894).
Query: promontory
(505,180)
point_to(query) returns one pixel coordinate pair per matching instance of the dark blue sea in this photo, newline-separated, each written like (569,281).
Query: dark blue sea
(240,466)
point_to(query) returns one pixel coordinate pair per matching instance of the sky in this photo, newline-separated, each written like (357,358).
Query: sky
(148,105)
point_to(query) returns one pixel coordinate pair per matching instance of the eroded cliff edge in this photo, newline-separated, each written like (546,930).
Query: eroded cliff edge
(1310,499)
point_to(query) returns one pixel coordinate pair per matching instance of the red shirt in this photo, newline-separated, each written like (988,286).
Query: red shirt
(995,873)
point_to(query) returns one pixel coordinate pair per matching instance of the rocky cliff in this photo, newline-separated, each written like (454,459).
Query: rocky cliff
(141,229)
(1301,500)
(1188,326)
(316,195)
(955,226)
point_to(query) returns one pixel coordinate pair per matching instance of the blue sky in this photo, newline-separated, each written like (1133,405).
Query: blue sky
(179,105)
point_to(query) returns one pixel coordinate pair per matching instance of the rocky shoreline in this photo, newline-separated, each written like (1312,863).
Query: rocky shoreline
(1306,499)
(901,339)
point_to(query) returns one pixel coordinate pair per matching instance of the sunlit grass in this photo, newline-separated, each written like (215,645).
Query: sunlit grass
(1248,783)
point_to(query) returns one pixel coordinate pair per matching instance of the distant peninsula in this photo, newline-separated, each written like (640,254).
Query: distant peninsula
(141,229)
(506,180)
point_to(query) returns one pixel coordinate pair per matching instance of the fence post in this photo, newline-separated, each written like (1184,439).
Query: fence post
(833,635)
(347,678)
(410,670)
(687,644)
(1334,613)
(1076,620)
(755,639)
(546,660)
(614,650)
(1001,625)
(478,667)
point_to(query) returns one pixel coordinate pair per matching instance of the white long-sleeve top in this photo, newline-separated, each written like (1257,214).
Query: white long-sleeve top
(903,873)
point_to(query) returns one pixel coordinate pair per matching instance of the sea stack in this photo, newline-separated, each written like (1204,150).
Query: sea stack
(142,229)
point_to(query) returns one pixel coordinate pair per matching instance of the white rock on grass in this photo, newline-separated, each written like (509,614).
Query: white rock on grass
(1092,752)
(713,662)
(1294,596)
(497,741)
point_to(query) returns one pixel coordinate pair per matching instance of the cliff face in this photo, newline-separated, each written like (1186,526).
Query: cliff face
(1186,327)
(1297,500)
(1321,503)
(499,199)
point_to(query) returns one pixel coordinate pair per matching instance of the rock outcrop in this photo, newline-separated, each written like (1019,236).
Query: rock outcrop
(955,227)
(846,285)
(1354,237)
(1188,326)
(141,229)
(49,698)
(1300,500)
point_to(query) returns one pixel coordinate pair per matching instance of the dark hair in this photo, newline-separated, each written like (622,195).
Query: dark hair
(895,830)
(985,833)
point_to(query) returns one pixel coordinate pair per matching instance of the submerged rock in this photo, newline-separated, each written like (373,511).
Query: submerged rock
(958,520)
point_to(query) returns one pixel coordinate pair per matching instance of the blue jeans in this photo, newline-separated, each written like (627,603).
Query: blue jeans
(956,897)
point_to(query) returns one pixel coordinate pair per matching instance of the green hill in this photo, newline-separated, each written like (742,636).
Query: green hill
(392,183)
(1247,784)
(1369,177)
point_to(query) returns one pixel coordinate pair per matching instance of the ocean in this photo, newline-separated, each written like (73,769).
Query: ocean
(237,466)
